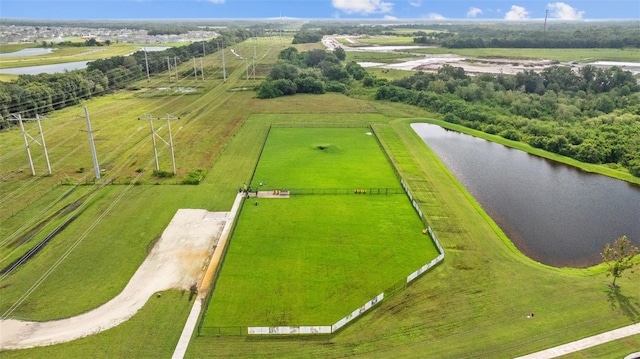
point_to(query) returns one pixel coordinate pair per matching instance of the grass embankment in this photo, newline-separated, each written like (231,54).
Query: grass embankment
(73,54)
(316,258)
(564,55)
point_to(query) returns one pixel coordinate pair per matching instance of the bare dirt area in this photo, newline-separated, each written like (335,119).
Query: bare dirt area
(177,261)
(471,65)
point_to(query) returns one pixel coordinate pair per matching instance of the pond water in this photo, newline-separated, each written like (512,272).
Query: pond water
(55,68)
(27,52)
(48,69)
(554,213)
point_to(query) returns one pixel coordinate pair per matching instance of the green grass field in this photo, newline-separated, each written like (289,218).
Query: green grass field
(323,158)
(383,57)
(387,40)
(315,258)
(565,55)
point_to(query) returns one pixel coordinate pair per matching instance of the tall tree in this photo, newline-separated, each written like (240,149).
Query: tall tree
(619,257)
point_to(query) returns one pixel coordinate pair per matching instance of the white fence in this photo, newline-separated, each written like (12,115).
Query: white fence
(323,329)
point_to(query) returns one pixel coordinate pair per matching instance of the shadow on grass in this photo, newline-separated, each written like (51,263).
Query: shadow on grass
(629,306)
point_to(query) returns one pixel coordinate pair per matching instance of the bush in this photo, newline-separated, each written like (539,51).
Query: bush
(163,174)
(335,86)
(194,177)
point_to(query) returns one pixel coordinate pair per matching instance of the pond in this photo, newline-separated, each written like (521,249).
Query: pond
(55,68)
(27,52)
(48,69)
(554,213)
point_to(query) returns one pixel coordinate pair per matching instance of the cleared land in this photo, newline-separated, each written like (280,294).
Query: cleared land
(315,258)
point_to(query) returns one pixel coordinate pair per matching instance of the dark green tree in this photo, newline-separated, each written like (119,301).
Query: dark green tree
(619,257)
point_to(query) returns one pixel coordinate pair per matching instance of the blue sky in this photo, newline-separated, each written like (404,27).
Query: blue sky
(344,9)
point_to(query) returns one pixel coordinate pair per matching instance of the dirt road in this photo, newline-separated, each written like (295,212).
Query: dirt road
(177,261)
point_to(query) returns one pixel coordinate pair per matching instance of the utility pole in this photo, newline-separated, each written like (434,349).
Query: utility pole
(169,143)
(246,67)
(202,68)
(254,58)
(96,167)
(175,66)
(195,71)
(224,67)
(169,68)
(546,14)
(146,61)
(26,138)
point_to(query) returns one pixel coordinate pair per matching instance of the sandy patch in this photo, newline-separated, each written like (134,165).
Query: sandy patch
(177,261)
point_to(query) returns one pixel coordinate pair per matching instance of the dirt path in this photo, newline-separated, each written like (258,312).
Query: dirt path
(177,261)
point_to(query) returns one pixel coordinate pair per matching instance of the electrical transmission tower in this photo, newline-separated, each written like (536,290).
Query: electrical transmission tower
(173,67)
(28,137)
(224,67)
(154,134)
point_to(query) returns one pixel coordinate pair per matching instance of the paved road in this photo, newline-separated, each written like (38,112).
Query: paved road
(585,343)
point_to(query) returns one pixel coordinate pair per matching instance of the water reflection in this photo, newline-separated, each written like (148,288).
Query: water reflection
(554,213)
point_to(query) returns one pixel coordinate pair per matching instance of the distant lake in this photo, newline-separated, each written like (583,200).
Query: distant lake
(55,68)
(27,52)
(47,69)
(553,213)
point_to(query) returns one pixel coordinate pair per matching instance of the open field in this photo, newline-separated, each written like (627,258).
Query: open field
(382,57)
(323,158)
(472,305)
(563,55)
(315,258)
(386,40)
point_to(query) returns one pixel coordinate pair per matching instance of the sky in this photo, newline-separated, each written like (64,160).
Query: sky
(513,10)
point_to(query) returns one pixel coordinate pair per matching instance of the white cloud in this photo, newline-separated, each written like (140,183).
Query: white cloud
(389,17)
(560,10)
(362,6)
(435,16)
(415,3)
(473,12)
(516,13)
(216,1)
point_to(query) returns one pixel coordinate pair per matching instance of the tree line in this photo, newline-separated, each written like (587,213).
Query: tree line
(39,94)
(315,71)
(606,35)
(592,115)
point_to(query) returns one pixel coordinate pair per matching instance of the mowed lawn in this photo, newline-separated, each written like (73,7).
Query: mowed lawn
(311,259)
(323,158)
